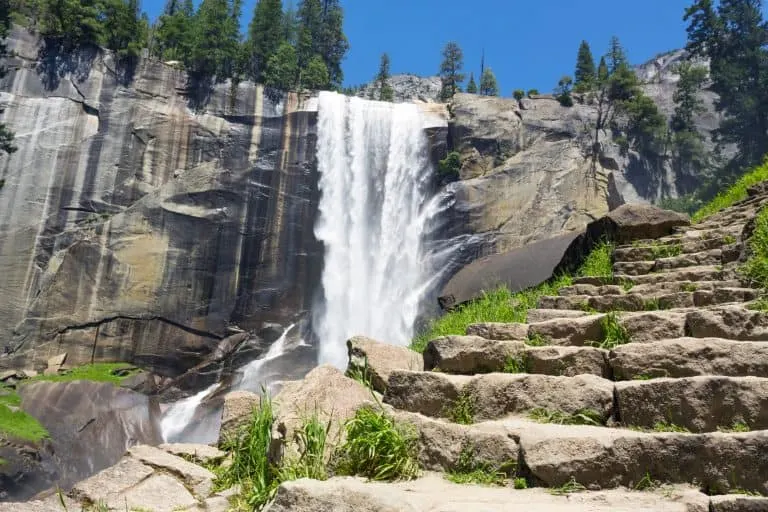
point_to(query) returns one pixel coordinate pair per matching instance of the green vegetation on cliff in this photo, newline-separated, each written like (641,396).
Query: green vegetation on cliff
(734,193)
(15,423)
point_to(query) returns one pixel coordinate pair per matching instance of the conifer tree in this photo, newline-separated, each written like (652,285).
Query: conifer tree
(315,77)
(602,71)
(291,25)
(124,27)
(563,91)
(687,141)
(488,84)
(617,57)
(450,70)
(73,22)
(518,94)
(215,42)
(266,33)
(282,68)
(471,85)
(321,33)
(585,75)
(174,31)
(386,93)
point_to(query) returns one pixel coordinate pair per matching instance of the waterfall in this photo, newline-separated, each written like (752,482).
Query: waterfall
(376,209)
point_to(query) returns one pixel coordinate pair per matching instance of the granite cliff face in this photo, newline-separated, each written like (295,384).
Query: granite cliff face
(134,228)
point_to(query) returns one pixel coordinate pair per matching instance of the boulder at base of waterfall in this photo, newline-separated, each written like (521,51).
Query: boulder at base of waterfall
(236,412)
(325,393)
(91,424)
(375,360)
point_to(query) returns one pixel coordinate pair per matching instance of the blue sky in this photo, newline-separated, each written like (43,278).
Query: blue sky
(528,44)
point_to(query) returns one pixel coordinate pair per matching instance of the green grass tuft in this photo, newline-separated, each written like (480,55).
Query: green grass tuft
(659,251)
(647,483)
(377,447)
(499,305)
(756,267)
(18,424)
(96,372)
(469,470)
(462,410)
(520,483)
(516,364)
(536,340)
(737,426)
(736,193)
(581,417)
(599,262)
(570,487)
(663,426)
(613,333)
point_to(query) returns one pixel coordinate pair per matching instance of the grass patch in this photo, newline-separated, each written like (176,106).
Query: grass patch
(499,305)
(689,287)
(581,417)
(470,470)
(738,426)
(663,426)
(643,376)
(760,304)
(520,483)
(599,262)
(659,251)
(114,373)
(536,340)
(570,487)
(734,194)
(20,425)
(361,375)
(729,239)
(647,483)
(756,267)
(516,364)
(651,304)
(627,284)
(462,410)
(613,333)
(378,448)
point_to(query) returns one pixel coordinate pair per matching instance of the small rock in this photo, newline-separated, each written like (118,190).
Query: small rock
(236,412)
(202,453)
(57,361)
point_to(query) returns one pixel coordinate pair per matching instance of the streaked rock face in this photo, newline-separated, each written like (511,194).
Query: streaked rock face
(134,228)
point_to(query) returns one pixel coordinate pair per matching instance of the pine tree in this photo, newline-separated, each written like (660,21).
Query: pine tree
(585,75)
(471,85)
(518,94)
(291,25)
(687,142)
(735,39)
(617,57)
(321,33)
(124,27)
(266,33)
(602,71)
(488,84)
(174,31)
(386,93)
(215,39)
(450,70)
(282,68)
(72,22)
(315,77)
(6,135)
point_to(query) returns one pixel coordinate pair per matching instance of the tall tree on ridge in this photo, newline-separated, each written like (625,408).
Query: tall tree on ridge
(386,93)
(174,31)
(265,34)
(488,84)
(450,70)
(585,75)
(471,85)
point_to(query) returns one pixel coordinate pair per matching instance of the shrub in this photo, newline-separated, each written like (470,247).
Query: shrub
(450,166)
(470,470)
(518,94)
(378,448)
(599,262)
(533,92)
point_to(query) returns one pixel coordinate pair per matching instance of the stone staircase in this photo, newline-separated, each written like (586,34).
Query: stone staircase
(658,373)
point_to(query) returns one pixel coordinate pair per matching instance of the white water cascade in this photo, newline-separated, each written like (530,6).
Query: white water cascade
(177,417)
(375,213)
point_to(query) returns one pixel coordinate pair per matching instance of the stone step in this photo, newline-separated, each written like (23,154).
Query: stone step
(650,289)
(642,302)
(608,458)
(542,315)
(697,273)
(434,493)
(497,395)
(699,404)
(652,252)
(733,322)
(470,355)
(634,268)
(689,357)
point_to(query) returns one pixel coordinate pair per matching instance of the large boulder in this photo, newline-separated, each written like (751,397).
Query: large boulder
(377,360)
(91,424)
(236,412)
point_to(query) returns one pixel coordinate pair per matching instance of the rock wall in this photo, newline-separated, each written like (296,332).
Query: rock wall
(133,227)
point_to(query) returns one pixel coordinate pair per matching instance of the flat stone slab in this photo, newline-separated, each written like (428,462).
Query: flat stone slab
(112,481)
(197,478)
(434,493)
(200,452)
(159,493)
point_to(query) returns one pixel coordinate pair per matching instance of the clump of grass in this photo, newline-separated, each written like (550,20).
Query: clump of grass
(18,424)
(252,465)
(689,287)
(663,426)
(570,487)
(627,284)
(361,375)
(499,305)
(651,304)
(520,483)
(613,333)
(659,251)
(756,267)
(729,239)
(516,364)
(462,410)
(734,194)
(536,340)
(114,373)
(760,304)
(378,448)
(470,470)
(311,439)
(647,483)
(737,426)
(581,417)
(643,376)
(599,262)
